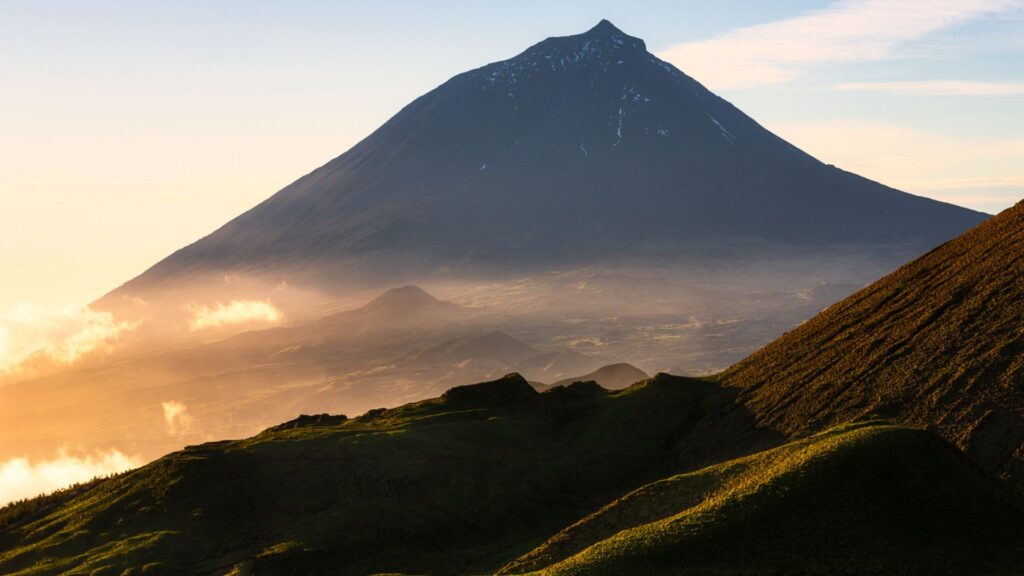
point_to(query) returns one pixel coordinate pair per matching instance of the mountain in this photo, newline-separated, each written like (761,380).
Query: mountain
(936,344)
(612,376)
(586,478)
(583,148)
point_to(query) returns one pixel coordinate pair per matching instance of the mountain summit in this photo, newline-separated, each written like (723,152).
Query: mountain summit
(581,148)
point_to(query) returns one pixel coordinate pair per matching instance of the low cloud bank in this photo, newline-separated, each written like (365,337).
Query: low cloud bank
(22,478)
(236,312)
(61,336)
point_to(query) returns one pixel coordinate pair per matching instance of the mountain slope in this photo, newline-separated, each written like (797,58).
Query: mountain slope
(580,148)
(861,499)
(938,343)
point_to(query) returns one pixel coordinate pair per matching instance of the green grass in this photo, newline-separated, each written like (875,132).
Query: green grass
(459,484)
(866,498)
(567,481)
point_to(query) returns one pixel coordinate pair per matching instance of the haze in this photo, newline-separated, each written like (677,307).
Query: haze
(132,131)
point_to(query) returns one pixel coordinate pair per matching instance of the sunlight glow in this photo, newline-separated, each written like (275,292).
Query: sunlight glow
(23,478)
(237,312)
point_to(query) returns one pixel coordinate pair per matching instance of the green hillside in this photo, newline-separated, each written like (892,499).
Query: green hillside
(497,474)
(865,498)
(459,484)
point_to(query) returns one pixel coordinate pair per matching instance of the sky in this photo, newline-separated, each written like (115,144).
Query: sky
(129,129)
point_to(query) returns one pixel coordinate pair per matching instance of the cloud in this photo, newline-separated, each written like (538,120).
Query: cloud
(237,312)
(177,420)
(22,478)
(60,336)
(845,31)
(983,174)
(936,88)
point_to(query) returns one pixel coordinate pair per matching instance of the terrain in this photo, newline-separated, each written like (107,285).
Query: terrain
(587,215)
(399,346)
(764,467)
(574,480)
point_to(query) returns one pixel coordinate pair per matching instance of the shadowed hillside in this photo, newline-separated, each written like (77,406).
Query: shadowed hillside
(483,476)
(861,499)
(460,484)
(938,343)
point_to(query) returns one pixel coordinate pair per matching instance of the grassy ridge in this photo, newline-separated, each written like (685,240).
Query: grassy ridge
(860,499)
(498,477)
(936,344)
(459,484)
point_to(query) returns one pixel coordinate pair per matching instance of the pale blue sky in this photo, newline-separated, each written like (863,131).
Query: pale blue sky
(130,128)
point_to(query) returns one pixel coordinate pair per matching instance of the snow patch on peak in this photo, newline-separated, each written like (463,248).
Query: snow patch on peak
(725,133)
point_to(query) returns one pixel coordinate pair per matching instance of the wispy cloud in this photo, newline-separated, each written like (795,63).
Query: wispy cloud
(61,336)
(23,478)
(936,88)
(177,420)
(845,31)
(236,312)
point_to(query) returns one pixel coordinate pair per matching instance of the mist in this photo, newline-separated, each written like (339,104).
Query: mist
(22,477)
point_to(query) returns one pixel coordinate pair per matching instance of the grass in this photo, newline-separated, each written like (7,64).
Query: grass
(459,484)
(575,480)
(866,498)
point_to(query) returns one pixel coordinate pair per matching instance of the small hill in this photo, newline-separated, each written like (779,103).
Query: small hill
(393,310)
(495,345)
(407,301)
(864,498)
(612,376)
(549,366)
(938,344)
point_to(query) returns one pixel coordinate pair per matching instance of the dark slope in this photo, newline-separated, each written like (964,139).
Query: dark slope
(938,343)
(460,484)
(581,147)
(860,499)
(473,480)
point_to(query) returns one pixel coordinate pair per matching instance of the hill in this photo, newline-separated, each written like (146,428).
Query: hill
(485,474)
(865,498)
(583,148)
(495,345)
(938,344)
(459,484)
(612,376)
